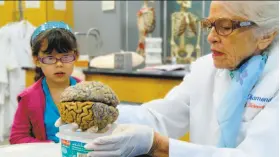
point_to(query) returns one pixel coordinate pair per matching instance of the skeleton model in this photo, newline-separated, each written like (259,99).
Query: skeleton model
(184,24)
(146,25)
(91,105)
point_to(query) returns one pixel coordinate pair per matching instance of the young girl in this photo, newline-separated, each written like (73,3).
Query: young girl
(54,50)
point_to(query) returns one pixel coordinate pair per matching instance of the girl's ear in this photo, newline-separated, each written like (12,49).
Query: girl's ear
(77,55)
(36,61)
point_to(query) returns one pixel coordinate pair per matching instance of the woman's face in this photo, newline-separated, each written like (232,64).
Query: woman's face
(229,51)
(60,71)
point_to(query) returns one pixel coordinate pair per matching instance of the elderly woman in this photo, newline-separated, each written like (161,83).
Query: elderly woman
(228,103)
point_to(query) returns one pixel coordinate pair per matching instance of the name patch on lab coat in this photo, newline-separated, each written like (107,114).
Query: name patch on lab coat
(259,99)
(254,105)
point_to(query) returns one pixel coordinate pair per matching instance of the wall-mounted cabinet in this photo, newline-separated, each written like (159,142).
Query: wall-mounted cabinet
(60,11)
(36,12)
(7,12)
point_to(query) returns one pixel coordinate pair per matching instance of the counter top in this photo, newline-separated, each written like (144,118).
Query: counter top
(178,74)
(34,150)
(28,68)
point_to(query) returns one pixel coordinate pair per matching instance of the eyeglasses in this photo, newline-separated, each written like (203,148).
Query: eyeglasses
(53,60)
(224,26)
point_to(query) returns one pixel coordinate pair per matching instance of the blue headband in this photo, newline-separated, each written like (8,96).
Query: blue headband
(47,26)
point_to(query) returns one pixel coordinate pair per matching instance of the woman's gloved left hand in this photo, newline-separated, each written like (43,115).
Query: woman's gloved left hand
(125,141)
(74,126)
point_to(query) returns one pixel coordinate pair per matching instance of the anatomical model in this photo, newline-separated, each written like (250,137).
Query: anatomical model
(184,24)
(146,25)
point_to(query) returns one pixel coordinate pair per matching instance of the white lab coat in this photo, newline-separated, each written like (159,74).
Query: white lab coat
(192,107)
(23,56)
(16,53)
(6,63)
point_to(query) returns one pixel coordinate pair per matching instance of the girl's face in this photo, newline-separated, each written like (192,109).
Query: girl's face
(57,67)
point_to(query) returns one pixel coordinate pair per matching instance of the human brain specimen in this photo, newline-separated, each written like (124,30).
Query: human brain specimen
(90,105)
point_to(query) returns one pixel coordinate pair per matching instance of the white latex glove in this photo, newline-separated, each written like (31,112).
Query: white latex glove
(59,123)
(75,126)
(126,141)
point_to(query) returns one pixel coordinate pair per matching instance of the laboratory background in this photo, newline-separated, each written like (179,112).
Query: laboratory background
(140,49)
(73,72)
(141,54)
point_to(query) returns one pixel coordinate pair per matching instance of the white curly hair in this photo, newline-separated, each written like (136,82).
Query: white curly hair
(264,13)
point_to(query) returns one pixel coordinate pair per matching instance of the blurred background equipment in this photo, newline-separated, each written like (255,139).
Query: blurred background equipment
(127,61)
(153,51)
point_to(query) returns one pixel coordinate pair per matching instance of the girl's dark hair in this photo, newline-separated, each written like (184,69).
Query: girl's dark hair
(58,39)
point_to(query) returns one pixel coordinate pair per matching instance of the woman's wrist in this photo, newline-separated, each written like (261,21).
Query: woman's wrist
(160,147)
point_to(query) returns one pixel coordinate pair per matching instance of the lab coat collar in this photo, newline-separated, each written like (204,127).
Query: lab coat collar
(273,58)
